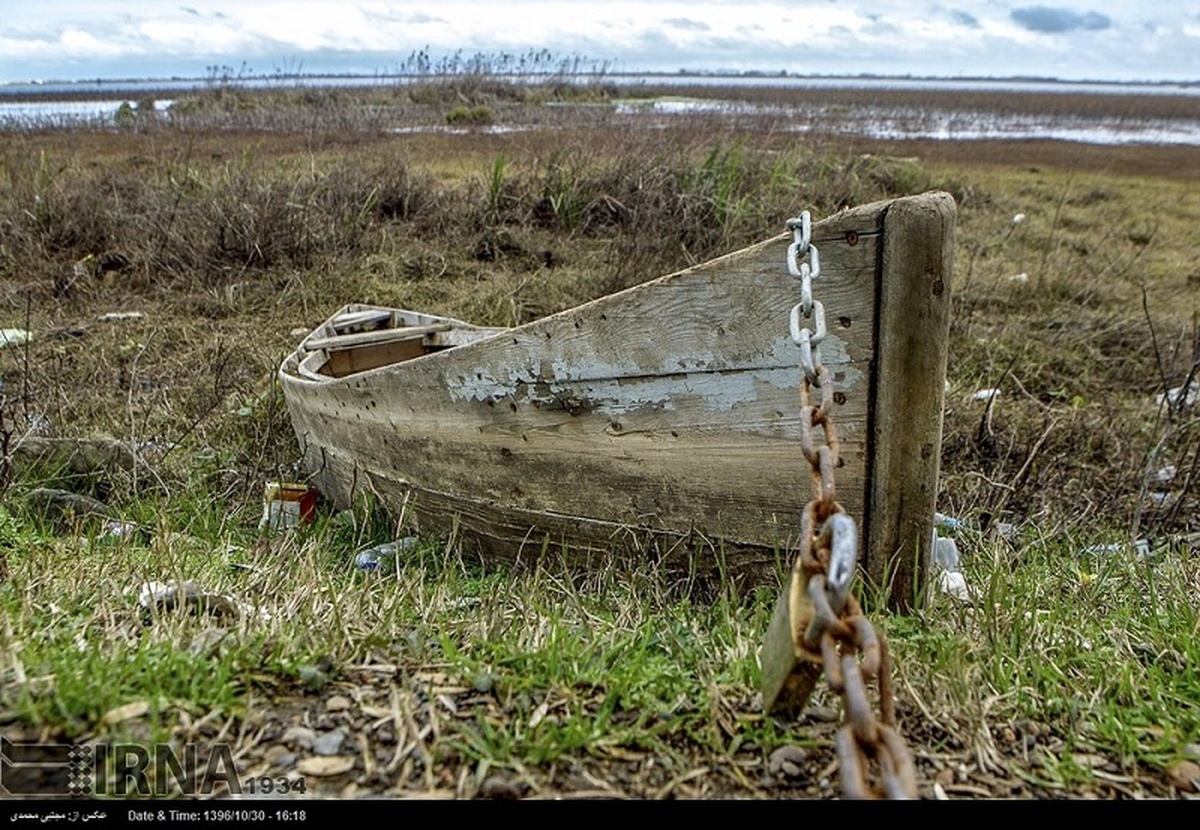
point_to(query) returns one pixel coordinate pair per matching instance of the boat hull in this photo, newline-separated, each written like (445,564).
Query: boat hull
(663,420)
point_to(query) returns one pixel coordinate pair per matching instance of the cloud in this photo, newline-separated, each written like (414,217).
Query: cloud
(684,23)
(1054,19)
(964,18)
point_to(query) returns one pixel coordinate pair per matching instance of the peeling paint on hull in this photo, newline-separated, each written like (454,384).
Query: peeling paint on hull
(668,412)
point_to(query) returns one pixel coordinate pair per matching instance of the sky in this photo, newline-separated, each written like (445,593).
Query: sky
(1106,40)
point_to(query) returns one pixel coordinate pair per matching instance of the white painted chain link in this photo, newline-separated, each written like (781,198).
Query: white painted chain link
(804,262)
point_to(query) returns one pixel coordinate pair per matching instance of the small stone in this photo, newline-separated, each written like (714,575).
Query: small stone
(66,507)
(1185,776)
(280,757)
(326,766)
(337,703)
(501,788)
(788,760)
(945,777)
(482,683)
(1089,760)
(329,743)
(300,736)
(821,715)
(130,711)
(1192,752)
(1028,727)
(207,641)
(313,677)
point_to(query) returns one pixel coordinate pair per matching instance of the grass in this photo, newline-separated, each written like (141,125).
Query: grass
(1071,676)
(543,668)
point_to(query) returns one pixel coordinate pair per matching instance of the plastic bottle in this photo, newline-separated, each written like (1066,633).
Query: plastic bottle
(383,558)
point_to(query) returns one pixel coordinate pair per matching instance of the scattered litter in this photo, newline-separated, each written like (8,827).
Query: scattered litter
(383,558)
(287,504)
(1140,548)
(1167,474)
(1184,396)
(943,522)
(1006,530)
(1018,218)
(166,596)
(955,585)
(1021,278)
(116,529)
(14,337)
(945,554)
(945,559)
(986,394)
(112,316)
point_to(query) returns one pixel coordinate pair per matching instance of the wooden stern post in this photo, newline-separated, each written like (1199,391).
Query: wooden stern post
(912,325)
(910,309)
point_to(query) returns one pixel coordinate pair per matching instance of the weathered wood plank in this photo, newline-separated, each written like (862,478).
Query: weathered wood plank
(909,393)
(667,413)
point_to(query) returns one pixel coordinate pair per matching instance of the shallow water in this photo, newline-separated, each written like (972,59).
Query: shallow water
(947,125)
(869,121)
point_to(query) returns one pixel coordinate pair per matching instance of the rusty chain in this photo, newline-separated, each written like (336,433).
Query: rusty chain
(838,631)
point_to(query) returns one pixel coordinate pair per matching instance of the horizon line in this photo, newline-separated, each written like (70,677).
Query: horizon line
(683,72)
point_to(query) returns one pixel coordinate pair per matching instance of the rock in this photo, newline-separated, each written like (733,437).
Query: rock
(494,786)
(1185,776)
(322,766)
(130,711)
(330,743)
(65,507)
(78,456)
(207,641)
(280,757)
(788,760)
(337,703)
(818,714)
(166,596)
(313,677)
(300,736)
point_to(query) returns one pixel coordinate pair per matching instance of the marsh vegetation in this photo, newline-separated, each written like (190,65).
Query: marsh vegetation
(163,269)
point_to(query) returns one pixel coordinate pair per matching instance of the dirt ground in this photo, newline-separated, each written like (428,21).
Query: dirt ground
(369,732)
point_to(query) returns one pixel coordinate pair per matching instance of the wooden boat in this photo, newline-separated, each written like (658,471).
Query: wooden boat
(663,419)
